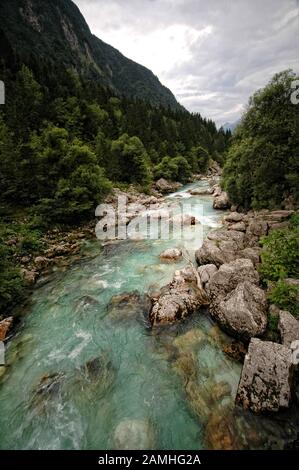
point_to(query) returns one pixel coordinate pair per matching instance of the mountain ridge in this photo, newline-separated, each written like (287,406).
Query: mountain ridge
(56,30)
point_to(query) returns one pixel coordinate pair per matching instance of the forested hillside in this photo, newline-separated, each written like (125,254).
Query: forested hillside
(262,166)
(55,30)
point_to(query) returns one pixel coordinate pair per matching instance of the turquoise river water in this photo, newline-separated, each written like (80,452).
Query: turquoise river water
(85,370)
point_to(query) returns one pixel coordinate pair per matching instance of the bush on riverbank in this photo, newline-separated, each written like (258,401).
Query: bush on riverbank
(280,261)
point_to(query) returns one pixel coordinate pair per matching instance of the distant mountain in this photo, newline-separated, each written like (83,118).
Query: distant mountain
(55,30)
(230,126)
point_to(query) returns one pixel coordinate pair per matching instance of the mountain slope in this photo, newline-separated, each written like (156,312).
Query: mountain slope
(56,31)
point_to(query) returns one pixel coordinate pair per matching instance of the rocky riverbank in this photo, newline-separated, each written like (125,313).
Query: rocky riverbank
(227,279)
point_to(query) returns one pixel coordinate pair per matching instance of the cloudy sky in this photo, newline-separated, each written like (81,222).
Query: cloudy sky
(211,54)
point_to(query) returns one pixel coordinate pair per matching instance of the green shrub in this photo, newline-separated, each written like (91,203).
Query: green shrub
(286,297)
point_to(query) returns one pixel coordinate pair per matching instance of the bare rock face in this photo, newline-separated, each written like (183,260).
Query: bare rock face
(288,328)
(222,201)
(172,254)
(265,383)
(243,312)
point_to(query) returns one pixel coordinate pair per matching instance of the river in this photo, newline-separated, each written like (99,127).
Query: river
(87,373)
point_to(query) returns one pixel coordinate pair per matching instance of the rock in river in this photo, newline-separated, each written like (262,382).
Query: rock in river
(172,254)
(265,383)
(177,300)
(243,312)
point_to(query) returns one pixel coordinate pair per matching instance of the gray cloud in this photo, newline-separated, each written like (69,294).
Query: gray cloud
(212,54)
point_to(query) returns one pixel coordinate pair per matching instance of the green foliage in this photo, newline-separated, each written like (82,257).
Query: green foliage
(286,297)
(198,159)
(280,254)
(175,169)
(280,260)
(262,166)
(273,323)
(12,288)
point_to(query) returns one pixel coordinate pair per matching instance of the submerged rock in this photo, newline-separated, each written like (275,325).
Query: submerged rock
(129,305)
(236,350)
(96,376)
(265,383)
(134,434)
(221,432)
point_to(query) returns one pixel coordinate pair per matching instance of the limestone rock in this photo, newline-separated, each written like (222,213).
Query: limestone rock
(288,328)
(243,312)
(172,254)
(222,201)
(265,383)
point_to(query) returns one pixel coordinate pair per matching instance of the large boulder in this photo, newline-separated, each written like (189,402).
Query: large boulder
(200,191)
(221,246)
(177,300)
(165,186)
(256,229)
(234,217)
(242,312)
(206,272)
(265,383)
(210,253)
(221,202)
(288,328)
(229,276)
(239,226)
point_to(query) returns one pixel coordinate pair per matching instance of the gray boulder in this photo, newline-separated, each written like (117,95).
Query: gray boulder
(221,202)
(265,383)
(206,272)
(239,226)
(288,328)
(234,217)
(243,312)
(229,276)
